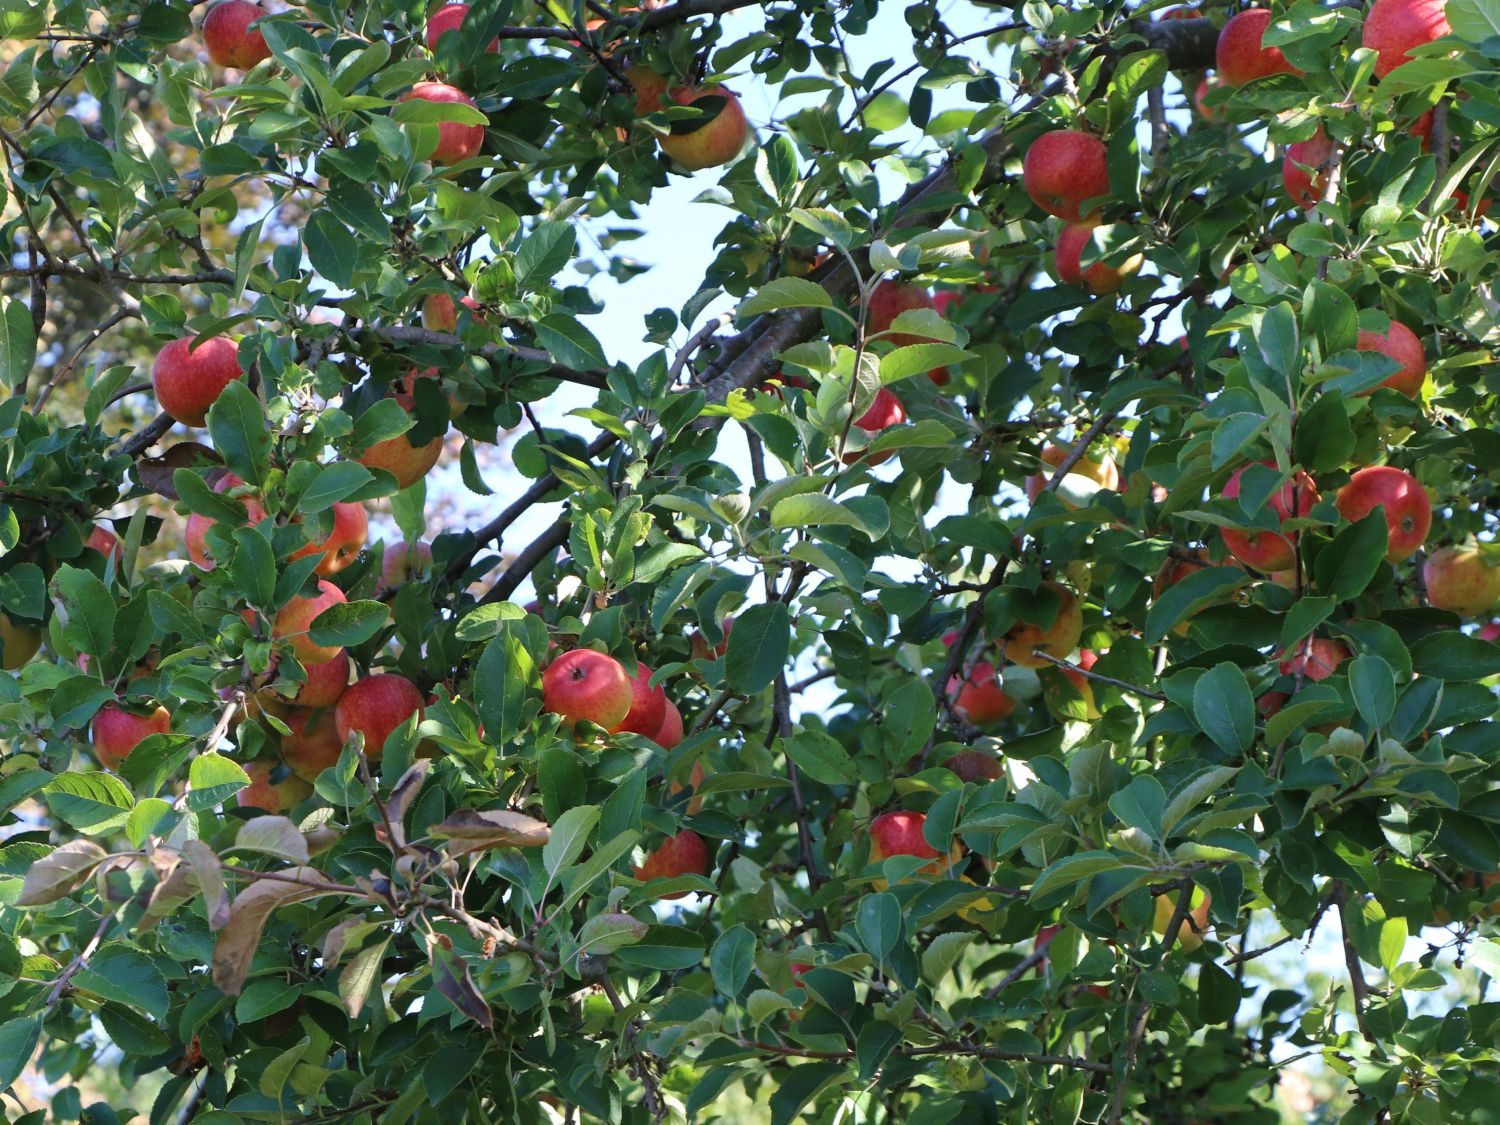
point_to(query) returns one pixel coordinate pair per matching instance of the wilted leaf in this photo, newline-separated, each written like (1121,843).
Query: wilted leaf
(247,920)
(450,976)
(272,835)
(477,830)
(360,975)
(210,873)
(156,472)
(56,876)
(402,795)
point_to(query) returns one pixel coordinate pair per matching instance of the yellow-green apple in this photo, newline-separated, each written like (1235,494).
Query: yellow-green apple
(230,39)
(1408,512)
(979,699)
(700,643)
(884,412)
(456,141)
(889,300)
(1401,344)
(406,462)
(196,534)
(313,744)
(296,618)
(438,311)
(682,854)
(1087,658)
(1461,580)
(273,787)
(584,685)
(1058,639)
(374,707)
(974,765)
(19,642)
(189,380)
(648,705)
(713,142)
(342,546)
(403,562)
(1063,170)
(116,731)
(449,18)
(1270,550)
(900,833)
(1097,466)
(1304,169)
(1241,57)
(1315,659)
(1393,27)
(325,682)
(105,541)
(1100,278)
(669,735)
(1194,922)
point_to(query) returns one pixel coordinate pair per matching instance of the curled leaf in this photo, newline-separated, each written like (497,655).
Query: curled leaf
(247,921)
(402,796)
(476,830)
(450,976)
(210,873)
(156,472)
(273,835)
(58,874)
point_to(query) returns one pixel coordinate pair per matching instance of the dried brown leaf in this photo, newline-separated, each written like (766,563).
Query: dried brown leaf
(477,830)
(57,875)
(210,875)
(156,472)
(402,796)
(450,976)
(247,921)
(361,974)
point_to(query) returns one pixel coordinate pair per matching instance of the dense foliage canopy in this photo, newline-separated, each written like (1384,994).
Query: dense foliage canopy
(1034,590)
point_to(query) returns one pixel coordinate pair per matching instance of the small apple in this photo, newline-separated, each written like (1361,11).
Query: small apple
(1408,512)
(1304,173)
(1315,659)
(710,143)
(884,412)
(669,735)
(1462,581)
(116,731)
(1393,27)
(342,546)
(1087,658)
(1209,113)
(456,141)
(313,744)
(229,37)
(889,300)
(587,685)
(1241,58)
(189,380)
(699,642)
(1402,345)
(374,707)
(1269,550)
(450,17)
(296,618)
(1490,631)
(980,700)
(1064,169)
(682,854)
(648,705)
(404,562)
(1059,639)
(273,787)
(1194,923)
(1100,279)
(1096,466)
(975,766)
(695,779)
(19,642)
(406,462)
(325,682)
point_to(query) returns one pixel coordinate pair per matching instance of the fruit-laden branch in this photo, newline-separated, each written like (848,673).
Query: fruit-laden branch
(1069,666)
(750,356)
(404,335)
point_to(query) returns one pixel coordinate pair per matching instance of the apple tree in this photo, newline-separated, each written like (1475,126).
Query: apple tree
(1013,644)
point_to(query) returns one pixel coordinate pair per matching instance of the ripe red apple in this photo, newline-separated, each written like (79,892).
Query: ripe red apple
(980,700)
(884,412)
(1402,345)
(714,142)
(375,706)
(1059,639)
(650,87)
(975,766)
(700,643)
(230,39)
(889,300)
(403,562)
(669,735)
(1303,169)
(1096,466)
(587,685)
(1208,112)
(1100,279)
(648,705)
(1064,169)
(1408,512)
(1393,27)
(438,311)
(1490,631)
(682,854)
(1240,56)
(105,541)
(189,380)
(19,642)
(296,618)
(1315,658)
(116,731)
(406,462)
(449,17)
(456,141)
(313,744)
(900,833)
(1462,581)
(325,682)
(350,529)
(273,787)
(1269,550)
(195,536)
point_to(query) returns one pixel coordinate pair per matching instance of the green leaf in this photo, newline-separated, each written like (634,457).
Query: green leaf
(331,247)
(874,1044)
(1195,592)
(18,1042)
(732,960)
(125,974)
(1325,439)
(214,779)
(238,426)
(758,647)
(665,949)
(544,253)
(569,342)
(349,623)
(1141,804)
(605,933)
(815,510)
(1451,655)
(787,293)
(253,567)
(570,832)
(1224,709)
(90,607)
(93,803)
(1074,869)
(1374,686)
(333,483)
(942,953)
(500,687)
(919,359)
(17,342)
(878,922)
(1346,565)
(818,755)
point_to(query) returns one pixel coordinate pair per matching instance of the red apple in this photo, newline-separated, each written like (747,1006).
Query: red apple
(1408,512)
(1208,112)
(1402,345)
(189,380)
(700,643)
(406,462)
(350,528)
(105,541)
(888,301)
(456,141)
(711,143)
(273,788)
(230,39)
(587,685)
(1099,278)
(438,311)
(375,706)
(117,732)
(325,682)
(648,705)
(1393,27)
(669,735)
(449,17)
(1063,170)
(19,642)
(975,766)
(195,536)
(1087,658)
(650,87)
(1490,631)
(1315,658)
(1269,550)
(313,744)
(296,618)
(900,833)
(884,412)
(980,700)
(682,854)
(1059,639)
(1462,581)
(403,562)
(1240,56)
(1303,169)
